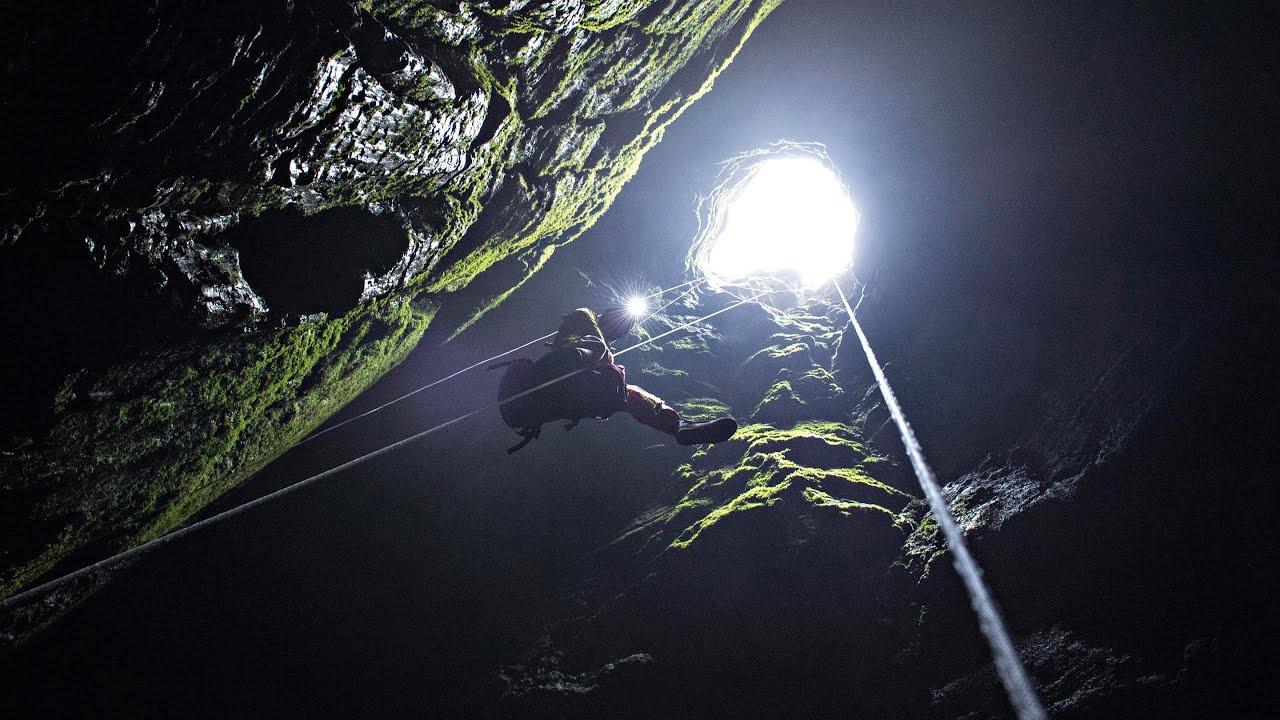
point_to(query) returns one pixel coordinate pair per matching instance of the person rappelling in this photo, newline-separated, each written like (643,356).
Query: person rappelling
(578,379)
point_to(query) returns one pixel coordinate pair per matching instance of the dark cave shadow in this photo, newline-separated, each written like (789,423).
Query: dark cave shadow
(303,264)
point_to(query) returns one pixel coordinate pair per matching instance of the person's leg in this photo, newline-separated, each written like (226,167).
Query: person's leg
(650,410)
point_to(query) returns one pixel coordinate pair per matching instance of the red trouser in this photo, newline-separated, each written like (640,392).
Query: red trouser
(650,410)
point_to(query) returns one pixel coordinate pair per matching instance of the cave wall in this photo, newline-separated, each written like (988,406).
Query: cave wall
(795,571)
(150,242)
(1116,504)
(763,574)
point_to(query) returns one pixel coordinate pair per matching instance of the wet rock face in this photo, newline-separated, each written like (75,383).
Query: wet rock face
(196,116)
(155,145)
(223,221)
(144,132)
(1101,522)
(1076,680)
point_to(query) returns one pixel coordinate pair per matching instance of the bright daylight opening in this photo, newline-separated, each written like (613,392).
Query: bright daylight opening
(637,306)
(790,215)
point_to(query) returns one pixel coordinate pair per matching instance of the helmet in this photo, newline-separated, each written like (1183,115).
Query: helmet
(615,323)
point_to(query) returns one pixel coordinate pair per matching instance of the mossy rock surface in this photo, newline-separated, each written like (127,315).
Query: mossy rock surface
(795,396)
(139,448)
(786,535)
(489,135)
(800,456)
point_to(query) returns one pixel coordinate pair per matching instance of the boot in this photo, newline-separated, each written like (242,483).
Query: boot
(710,431)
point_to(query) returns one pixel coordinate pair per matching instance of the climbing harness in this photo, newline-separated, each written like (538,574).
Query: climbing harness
(47,587)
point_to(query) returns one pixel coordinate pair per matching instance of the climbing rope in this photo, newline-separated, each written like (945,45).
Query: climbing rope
(47,587)
(428,386)
(672,301)
(1022,694)
(486,361)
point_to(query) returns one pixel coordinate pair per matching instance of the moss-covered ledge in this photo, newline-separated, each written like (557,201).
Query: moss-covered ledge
(814,466)
(137,449)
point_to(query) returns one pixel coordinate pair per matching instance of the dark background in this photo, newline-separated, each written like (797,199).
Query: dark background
(1035,182)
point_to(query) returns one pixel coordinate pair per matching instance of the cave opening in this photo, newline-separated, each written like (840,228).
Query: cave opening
(780,213)
(303,264)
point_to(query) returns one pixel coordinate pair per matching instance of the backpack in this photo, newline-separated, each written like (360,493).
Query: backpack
(596,392)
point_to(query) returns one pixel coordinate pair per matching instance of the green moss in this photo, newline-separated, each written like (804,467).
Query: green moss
(194,192)
(787,353)
(692,342)
(607,14)
(697,409)
(195,421)
(155,439)
(811,394)
(783,352)
(814,466)
(781,393)
(759,496)
(813,321)
(926,543)
(656,370)
(579,194)
(497,300)
(574,149)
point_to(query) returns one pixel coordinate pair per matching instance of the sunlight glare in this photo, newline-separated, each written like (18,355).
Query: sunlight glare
(791,215)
